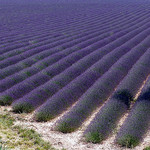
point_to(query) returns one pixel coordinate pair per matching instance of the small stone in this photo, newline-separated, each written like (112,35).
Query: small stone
(59,143)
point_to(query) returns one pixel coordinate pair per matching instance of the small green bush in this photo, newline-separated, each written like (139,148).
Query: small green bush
(5,100)
(22,108)
(128,141)
(93,137)
(147,148)
(64,127)
(43,117)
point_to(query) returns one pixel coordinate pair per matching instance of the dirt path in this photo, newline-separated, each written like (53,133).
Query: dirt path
(70,141)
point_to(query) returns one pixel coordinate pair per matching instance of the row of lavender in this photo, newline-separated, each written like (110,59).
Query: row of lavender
(10,48)
(69,74)
(53,16)
(11,70)
(37,45)
(101,90)
(137,123)
(78,23)
(108,116)
(55,68)
(49,13)
(67,40)
(96,45)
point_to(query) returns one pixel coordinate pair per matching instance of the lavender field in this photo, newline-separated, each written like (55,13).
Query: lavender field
(76,57)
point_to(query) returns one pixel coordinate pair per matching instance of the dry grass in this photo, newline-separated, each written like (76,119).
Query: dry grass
(15,137)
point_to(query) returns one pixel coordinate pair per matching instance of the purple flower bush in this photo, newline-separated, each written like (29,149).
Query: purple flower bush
(31,60)
(64,78)
(137,123)
(75,57)
(99,91)
(108,116)
(100,127)
(82,109)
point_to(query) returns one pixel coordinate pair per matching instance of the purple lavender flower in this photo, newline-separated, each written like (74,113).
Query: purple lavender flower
(108,116)
(99,91)
(137,123)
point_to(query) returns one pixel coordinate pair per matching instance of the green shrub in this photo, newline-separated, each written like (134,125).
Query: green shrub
(93,137)
(128,141)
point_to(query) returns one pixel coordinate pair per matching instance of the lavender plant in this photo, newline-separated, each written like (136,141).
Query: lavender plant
(137,123)
(53,55)
(108,116)
(61,80)
(93,96)
(10,70)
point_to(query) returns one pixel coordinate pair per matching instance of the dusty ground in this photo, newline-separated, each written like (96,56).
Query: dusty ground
(71,141)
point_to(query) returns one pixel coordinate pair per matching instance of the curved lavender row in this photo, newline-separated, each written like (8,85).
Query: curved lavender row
(17,39)
(99,128)
(78,86)
(29,53)
(15,46)
(76,116)
(74,71)
(112,21)
(59,81)
(46,42)
(31,60)
(106,119)
(9,70)
(71,124)
(65,63)
(6,73)
(106,14)
(16,78)
(98,92)
(38,38)
(29,38)
(47,60)
(51,45)
(28,72)
(75,22)
(41,43)
(25,37)
(137,123)
(22,38)
(25,40)
(82,20)
(48,45)
(34,43)
(41,39)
